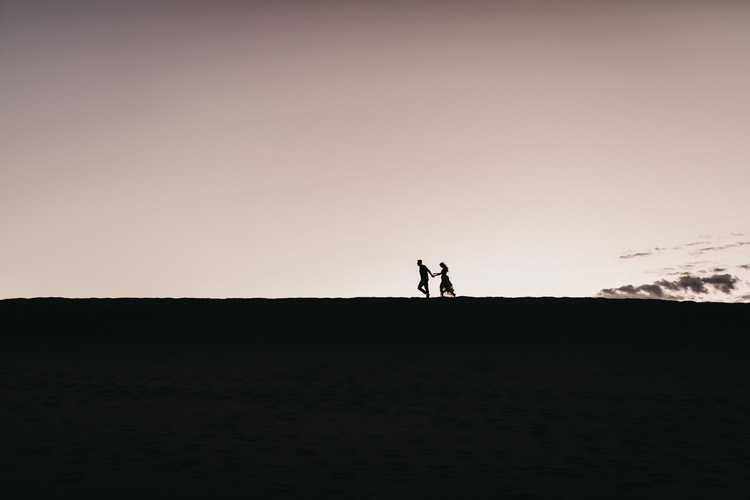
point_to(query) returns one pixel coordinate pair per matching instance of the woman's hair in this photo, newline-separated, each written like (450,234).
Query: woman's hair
(442,264)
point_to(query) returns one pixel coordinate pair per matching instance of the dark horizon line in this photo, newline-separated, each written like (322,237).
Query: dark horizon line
(421,299)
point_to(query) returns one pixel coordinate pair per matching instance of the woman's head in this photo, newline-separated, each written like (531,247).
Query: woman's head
(442,264)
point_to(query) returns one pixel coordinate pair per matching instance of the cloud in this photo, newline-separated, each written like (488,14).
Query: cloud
(685,287)
(652,291)
(725,283)
(685,283)
(708,246)
(637,254)
(700,270)
(719,247)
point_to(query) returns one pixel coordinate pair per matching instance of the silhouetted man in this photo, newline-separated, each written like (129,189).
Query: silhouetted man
(424,276)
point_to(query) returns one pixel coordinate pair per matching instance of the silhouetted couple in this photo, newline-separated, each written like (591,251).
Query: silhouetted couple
(446,287)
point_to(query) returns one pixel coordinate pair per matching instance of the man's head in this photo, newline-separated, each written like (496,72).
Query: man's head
(419,262)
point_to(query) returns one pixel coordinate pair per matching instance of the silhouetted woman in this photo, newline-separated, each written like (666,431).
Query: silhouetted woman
(446,287)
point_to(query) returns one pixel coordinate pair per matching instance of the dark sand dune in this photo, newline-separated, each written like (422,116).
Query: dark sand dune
(374,398)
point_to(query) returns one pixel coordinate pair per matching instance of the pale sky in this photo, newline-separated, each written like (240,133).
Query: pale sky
(319,148)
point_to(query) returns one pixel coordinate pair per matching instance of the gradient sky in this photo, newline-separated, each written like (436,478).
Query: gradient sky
(319,148)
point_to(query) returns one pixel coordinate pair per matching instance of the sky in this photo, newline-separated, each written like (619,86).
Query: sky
(278,149)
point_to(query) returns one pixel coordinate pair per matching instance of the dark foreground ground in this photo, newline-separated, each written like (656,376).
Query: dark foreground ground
(374,398)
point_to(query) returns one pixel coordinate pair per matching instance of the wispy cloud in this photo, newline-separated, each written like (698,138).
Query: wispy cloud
(717,248)
(637,254)
(714,245)
(695,243)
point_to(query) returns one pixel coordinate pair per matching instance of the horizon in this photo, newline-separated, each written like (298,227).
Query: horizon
(576,149)
(541,298)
